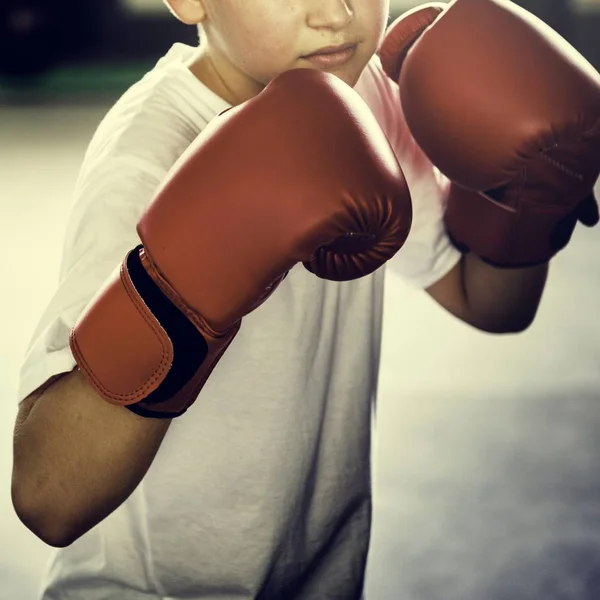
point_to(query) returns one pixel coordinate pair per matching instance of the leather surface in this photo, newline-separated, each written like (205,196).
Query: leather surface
(510,112)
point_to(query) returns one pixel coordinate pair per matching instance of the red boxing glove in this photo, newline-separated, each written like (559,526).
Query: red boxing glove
(300,173)
(510,113)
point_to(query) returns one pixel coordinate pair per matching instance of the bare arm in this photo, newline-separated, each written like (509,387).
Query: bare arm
(491,299)
(77,458)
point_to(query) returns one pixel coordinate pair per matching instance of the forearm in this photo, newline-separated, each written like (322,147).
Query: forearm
(501,300)
(77,458)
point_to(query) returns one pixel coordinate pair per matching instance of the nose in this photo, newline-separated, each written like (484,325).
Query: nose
(330,14)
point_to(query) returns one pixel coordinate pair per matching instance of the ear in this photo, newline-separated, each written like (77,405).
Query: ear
(190,12)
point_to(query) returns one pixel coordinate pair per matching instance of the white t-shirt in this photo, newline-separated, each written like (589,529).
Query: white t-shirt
(262,489)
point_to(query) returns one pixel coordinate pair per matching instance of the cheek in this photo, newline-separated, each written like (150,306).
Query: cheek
(373,16)
(266,41)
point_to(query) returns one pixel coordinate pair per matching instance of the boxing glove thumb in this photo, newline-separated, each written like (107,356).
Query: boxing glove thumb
(588,214)
(403,33)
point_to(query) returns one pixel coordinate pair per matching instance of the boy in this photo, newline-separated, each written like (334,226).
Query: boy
(262,488)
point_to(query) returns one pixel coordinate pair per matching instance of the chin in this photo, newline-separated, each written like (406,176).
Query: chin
(349,74)
(345,76)
(352,80)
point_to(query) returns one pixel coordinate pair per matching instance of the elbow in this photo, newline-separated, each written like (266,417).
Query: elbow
(506,326)
(41,518)
(519,326)
(502,321)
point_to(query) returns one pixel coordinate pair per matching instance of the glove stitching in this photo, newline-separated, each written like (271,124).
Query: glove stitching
(159,372)
(163,364)
(154,325)
(561,166)
(175,298)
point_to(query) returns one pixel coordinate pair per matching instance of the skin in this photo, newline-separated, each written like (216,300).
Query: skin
(239,56)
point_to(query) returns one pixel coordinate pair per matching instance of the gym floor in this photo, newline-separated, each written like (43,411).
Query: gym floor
(487,458)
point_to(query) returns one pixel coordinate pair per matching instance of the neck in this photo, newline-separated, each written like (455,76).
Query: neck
(228,83)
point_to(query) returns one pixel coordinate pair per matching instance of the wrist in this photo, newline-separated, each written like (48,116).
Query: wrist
(500,299)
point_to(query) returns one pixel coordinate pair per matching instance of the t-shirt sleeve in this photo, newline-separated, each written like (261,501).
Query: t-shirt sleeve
(109,198)
(127,161)
(428,254)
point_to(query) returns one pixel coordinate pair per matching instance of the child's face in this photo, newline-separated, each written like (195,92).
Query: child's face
(252,41)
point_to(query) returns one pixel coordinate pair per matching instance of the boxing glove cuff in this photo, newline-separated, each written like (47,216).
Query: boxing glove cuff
(506,234)
(137,346)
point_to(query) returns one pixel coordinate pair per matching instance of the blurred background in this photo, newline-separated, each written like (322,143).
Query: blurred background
(487,454)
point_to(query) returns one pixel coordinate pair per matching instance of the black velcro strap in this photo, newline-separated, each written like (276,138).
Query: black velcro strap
(189,347)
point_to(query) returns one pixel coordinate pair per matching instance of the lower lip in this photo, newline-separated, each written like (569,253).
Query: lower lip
(332,59)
